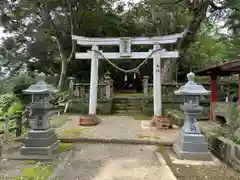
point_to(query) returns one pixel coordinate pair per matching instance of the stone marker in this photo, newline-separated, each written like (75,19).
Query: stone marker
(191,144)
(41,139)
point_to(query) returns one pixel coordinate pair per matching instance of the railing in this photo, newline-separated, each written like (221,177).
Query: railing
(18,128)
(81,90)
(169,88)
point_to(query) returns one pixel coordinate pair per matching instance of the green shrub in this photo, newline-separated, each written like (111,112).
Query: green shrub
(9,105)
(236,136)
(14,108)
(6,102)
(18,92)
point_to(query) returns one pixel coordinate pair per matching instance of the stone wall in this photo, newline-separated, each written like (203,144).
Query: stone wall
(103,107)
(169,103)
(225,149)
(226,110)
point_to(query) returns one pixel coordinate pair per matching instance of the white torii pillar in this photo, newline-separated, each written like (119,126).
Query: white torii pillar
(91,118)
(93,82)
(157,93)
(158,120)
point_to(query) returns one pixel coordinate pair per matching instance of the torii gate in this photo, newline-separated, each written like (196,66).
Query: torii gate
(124,44)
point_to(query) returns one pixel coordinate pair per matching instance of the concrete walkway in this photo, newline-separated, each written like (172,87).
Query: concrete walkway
(114,162)
(118,128)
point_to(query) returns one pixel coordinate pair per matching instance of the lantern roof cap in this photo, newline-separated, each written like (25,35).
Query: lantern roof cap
(191,88)
(40,87)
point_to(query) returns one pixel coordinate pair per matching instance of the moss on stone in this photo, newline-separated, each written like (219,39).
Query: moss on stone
(74,131)
(57,121)
(41,172)
(64,147)
(161,148)
(29,162)
(140,117)
(147,137)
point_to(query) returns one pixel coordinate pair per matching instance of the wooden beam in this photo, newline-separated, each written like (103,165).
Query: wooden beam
(87,41)
(230,65)
(134,55)
(233,70)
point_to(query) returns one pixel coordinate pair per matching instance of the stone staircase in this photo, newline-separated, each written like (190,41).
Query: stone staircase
(126,105)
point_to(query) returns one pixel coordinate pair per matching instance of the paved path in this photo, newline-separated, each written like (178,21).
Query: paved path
(119,127)
(114,162)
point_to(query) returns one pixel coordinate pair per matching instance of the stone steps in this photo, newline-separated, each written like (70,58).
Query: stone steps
(133,112)
(133,102)
(126,105)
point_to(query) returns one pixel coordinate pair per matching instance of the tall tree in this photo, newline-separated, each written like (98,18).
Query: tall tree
(43,29)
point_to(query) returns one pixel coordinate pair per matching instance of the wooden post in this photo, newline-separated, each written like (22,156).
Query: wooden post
(102,90)
(108,87)
(145,85)
(19,125)
(213,95)
(76,91)
(71,87)
(82,91)
(112,90)
(6,128)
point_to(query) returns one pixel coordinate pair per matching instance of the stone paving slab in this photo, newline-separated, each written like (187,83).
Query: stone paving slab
(114,162)
(118,127)
(9,168)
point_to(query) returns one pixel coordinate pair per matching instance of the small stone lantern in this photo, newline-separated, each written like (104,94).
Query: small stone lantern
(191,144)
(41,139)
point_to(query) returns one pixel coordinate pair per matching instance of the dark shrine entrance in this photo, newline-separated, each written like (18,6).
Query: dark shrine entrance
(128,83)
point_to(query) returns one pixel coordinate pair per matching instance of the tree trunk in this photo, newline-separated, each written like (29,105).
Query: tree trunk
(198,16)
(63,74)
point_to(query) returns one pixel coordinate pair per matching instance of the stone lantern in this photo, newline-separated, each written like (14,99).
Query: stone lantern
(41,139)
(191,144)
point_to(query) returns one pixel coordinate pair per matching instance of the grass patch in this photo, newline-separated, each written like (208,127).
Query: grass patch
(64,147)
(147,137)
(57,121)
(129,94)
(74,131)
(29,162)
(161,148)
(140,117)
(41,172)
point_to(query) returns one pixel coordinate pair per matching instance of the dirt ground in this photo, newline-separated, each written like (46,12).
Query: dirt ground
(201,172)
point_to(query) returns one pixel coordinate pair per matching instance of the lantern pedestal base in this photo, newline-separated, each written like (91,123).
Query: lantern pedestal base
(89,120)
(192,147)
(40,142)
(161,122)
